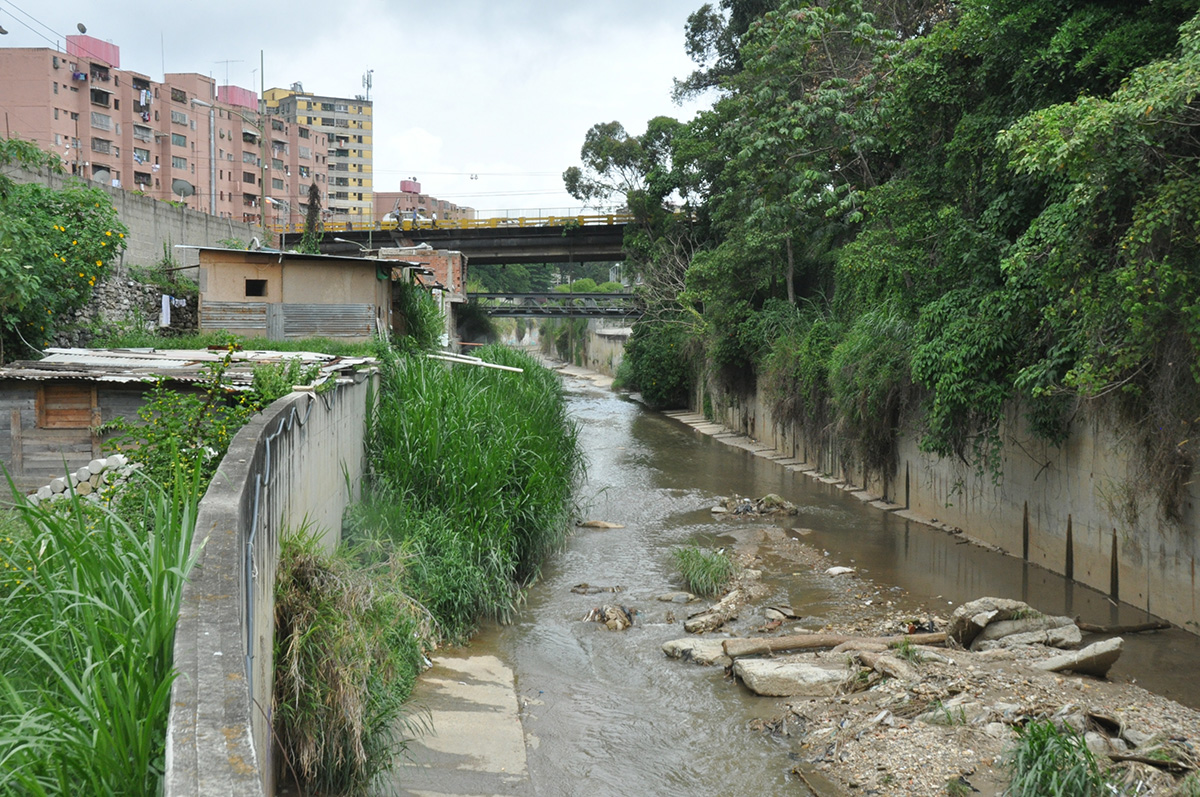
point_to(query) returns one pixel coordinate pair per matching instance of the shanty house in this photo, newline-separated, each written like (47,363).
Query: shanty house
(287,295)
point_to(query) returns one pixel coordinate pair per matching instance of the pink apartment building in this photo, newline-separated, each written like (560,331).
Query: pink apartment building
(183,139)
(409,201)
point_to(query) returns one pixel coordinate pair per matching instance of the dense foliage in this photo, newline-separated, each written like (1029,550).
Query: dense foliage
(900,212)
(54,246)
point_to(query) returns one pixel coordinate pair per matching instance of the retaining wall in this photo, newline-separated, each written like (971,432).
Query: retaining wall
(151,222)
(605,347)
(300,461)
(1066,508)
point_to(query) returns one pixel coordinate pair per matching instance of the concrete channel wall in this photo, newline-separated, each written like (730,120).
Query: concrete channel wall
(606,346)
(1066,509)
(152,223)
(300,462)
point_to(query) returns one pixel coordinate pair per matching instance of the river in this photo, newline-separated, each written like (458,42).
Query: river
(606,713)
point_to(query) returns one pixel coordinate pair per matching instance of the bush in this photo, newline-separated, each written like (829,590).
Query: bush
(660,365)
(704,572)
(1050,760)
(348,647)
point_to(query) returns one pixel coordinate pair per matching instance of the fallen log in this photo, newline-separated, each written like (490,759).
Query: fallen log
(779,644)
(1170,765)
(890,666)
(1090,628)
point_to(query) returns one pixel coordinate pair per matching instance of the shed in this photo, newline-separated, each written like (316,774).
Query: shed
(287,295)
(50,409)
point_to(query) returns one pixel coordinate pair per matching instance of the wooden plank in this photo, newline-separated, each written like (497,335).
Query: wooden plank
(94,423)
(18,460)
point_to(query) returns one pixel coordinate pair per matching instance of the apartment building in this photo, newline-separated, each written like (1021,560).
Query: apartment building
(183,139)
(409,203)
(347,127)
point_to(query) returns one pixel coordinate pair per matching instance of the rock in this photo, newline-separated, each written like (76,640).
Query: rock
(599,524)
(997,730)
(589,589)
(677,597)
(1096,659)
(972,617)
(998,629)
(1096,742)
(1066,636)
(701,651)
(1136,738)
(719,510)
(774,614)
(788,679)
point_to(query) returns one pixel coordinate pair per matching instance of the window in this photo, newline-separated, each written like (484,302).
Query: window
(179,117)
(56,87)
(341,107)
(327,121)
(142,133)
(65,406)
(304,132)
(142,180)
(101,145)
(277,184)
(277,164)
(178,162)
(141,155)
(304,171)
(178,140)
(249,157)
(248,177)
(178,95)
(256,287)
(101,121)
(55,113)
(305,153)
(327,106)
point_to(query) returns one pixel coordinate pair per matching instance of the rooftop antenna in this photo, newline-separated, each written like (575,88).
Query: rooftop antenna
(227,62)
(367,81)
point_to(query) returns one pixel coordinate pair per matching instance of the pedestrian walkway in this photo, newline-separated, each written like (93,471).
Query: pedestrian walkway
(475,745)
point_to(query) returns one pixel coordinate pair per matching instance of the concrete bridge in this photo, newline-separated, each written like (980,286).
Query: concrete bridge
(493,241)
(559,305)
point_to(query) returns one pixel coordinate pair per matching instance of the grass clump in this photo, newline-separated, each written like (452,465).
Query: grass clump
(1052,760)
(906,650)
(348,647)
(89,602)
(474,470)
(704,572)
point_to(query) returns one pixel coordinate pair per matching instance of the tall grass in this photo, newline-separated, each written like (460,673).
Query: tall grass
(473,474)
(1050,760)
(88,606)
(704,572)
(347,651)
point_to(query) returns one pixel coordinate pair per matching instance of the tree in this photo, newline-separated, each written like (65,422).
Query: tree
(310,242)
(54,246)
(712,41)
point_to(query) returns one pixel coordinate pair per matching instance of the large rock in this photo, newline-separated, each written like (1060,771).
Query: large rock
(997,629)
(969,620)
(790,679)
(1096,659)
(701,651)
(1063,636)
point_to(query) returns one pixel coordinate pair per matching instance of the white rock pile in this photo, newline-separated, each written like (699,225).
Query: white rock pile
(89,481)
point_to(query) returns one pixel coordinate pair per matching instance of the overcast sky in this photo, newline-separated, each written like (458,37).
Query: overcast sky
(503,89)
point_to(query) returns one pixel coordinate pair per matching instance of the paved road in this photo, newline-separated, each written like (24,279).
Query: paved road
(477,746)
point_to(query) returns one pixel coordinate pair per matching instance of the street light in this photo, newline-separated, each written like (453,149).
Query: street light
(288,209)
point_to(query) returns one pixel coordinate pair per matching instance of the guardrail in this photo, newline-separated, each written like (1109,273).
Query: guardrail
(501,222)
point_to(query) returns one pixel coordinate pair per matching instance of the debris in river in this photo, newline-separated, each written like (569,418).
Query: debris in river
(615,618)
(599,524)
(768,505)
(838,571)
(588,589)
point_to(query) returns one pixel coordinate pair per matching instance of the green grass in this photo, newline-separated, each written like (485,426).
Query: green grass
(348,647)
(704,572)
(1051,761)
(88,605)
(906,650)
(473,476)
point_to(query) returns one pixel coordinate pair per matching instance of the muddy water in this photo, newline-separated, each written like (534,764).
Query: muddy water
(607,713)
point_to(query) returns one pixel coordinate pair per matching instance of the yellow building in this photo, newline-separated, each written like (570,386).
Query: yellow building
(347,126)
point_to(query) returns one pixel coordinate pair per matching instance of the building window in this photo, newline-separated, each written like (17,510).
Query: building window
(178,162)
(55,113)
(179,95)
(56,87)
(179,117)
(101,121)
(178,140)
(101,145)
(277,184)
(256,287)
(305,172)
(304,132)
(248,177)
(277,164)
(249,157)
(141,155)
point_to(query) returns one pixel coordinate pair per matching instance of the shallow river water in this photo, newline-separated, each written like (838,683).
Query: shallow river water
(607,713)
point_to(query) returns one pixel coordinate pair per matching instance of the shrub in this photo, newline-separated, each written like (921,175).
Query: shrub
(704,572)
(1050,760)
(348,647)
(660,363)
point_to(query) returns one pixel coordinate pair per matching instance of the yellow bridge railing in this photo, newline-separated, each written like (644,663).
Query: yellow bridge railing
(606,219)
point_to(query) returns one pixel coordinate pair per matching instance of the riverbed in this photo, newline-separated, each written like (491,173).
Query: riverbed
(606,713)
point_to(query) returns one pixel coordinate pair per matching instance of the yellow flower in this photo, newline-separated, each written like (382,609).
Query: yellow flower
(108,233)
(74,243)
(98,263)
(120,235)
(81,273)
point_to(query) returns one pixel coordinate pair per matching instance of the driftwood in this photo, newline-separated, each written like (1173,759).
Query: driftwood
(779,644)
(1121,629)
(1172,765)
(718,614)
(890,666)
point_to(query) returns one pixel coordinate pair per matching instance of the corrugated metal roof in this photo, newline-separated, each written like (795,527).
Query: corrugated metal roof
(178,365)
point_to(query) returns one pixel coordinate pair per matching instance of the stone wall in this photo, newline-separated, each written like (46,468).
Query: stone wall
(1066,509)
(155,227)
(299,462)
(119,301)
